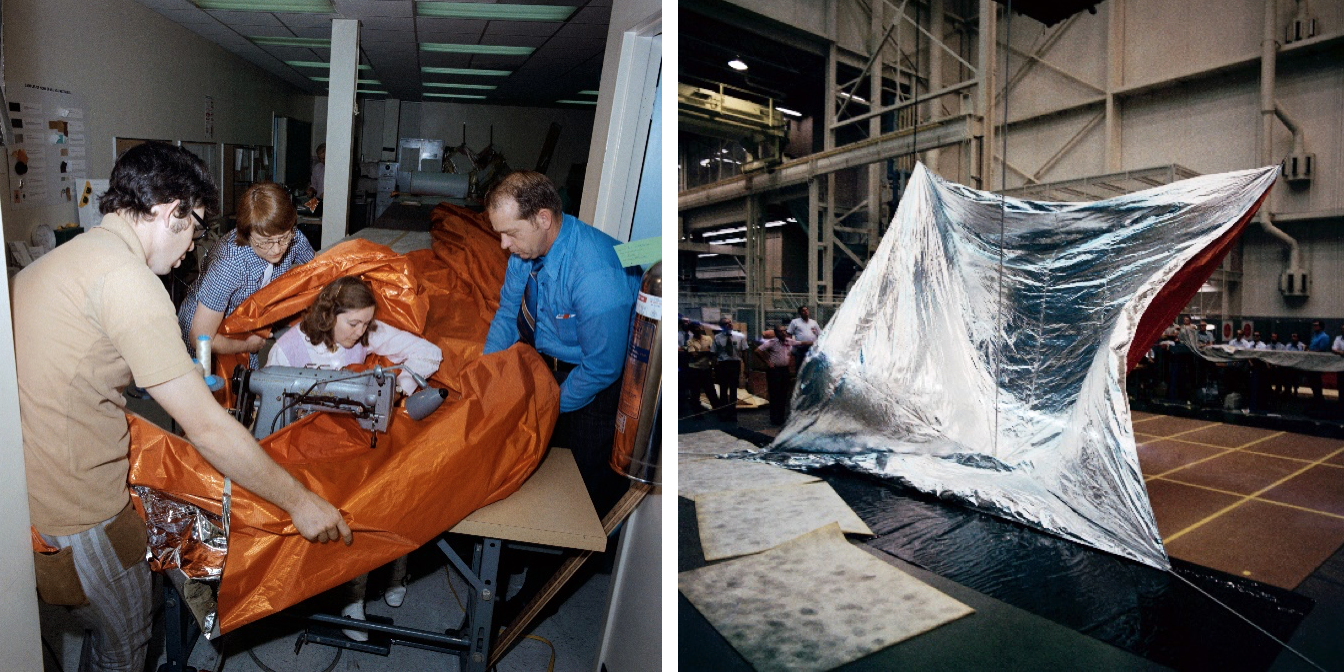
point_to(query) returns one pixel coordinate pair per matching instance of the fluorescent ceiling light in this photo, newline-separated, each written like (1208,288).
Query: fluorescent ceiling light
(492,49)
(588,93)
(737,64)
(358,81)
(853,98)
(295,6)
(466,71)
(474,10)
(433,94)
(724,232)
(578,102)
(791,113)
(315,42)
(712,254)
(376,93)
(455,85)
(729,241)
(320,64)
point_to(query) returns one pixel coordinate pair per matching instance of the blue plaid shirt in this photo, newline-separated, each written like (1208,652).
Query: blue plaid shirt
(233,273)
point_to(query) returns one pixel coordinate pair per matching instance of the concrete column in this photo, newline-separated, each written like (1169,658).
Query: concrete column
(340,129)
(1115,78)
(989,29)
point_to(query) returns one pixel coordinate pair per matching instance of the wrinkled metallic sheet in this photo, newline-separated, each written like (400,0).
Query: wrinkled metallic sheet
(182,536)
(993,374)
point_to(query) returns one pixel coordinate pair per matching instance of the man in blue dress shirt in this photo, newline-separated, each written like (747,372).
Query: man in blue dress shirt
(566,294)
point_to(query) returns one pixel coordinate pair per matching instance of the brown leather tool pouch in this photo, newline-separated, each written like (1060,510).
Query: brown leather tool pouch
(57,580)
(128,537)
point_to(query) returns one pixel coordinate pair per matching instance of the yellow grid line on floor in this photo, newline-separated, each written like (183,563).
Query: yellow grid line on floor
(1169,436)
(1213,445)
(1238,494)
(1249,497)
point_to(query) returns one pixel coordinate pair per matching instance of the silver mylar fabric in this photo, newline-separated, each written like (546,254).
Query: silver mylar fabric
(989,369)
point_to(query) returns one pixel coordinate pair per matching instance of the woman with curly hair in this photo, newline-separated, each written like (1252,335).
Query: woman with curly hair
(339,330)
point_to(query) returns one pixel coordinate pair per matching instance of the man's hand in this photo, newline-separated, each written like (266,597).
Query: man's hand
(228,447)
(319,521)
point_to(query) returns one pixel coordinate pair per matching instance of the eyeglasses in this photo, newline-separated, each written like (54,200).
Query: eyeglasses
(198,234)
(279,242)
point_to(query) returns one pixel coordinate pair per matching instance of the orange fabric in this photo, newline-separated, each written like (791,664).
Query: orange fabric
(423,477)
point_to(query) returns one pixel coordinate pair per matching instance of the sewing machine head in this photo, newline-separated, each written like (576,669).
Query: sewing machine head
(271,398)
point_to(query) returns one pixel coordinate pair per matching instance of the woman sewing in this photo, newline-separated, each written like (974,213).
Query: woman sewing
(340,330)
(262,248)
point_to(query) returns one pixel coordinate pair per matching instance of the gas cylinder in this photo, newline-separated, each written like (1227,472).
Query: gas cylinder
(635,450)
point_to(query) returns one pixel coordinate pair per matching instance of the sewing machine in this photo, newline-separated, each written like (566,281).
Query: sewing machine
(278,395)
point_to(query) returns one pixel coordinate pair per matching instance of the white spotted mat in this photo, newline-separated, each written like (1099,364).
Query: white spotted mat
(814,603)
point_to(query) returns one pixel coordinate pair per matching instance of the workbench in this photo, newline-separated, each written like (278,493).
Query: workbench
(550,512)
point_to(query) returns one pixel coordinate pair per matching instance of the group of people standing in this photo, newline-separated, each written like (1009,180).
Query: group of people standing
(723,358)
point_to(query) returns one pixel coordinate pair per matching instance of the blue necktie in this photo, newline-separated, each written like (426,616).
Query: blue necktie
(527,321)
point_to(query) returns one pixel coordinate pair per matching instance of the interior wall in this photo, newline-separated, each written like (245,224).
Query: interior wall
(1207,123)
(519,132)
(140,76)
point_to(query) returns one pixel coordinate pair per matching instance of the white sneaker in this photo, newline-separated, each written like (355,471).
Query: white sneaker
(396,584)
(355,610)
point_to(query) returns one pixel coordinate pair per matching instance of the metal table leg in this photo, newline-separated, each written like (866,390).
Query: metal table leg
(180,630)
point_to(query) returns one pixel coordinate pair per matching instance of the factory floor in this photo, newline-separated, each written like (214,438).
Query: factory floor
(569,629)
(1255,502)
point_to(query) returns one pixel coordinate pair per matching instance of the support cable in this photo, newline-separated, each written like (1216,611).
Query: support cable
(1220,603)
(1003,215)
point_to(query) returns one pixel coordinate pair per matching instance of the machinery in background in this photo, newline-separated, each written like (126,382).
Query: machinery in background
(758,126)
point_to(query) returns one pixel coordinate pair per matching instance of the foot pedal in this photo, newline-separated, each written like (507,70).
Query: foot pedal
(331,635)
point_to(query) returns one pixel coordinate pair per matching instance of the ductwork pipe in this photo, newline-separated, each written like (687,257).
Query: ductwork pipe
(1294,278)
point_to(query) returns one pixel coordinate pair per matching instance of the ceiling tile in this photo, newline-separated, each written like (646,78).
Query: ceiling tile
(360,9)
(266,31)
(185,16)
(509,40)
(497,62)
(573,46)
(290,53)
(568,57)
(521,28)
(441,25)
(323,31)
(402,36)
(245,18)
(586,31)
(440,60)
(450,37)
(591,14)
(298,20)
(406,24)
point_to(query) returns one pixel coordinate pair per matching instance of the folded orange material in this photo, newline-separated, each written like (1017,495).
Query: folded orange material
(423,477)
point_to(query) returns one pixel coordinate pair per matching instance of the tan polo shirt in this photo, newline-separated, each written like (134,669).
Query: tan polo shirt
(88,316)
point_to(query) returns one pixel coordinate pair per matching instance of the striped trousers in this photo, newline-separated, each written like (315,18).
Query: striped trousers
(120,608)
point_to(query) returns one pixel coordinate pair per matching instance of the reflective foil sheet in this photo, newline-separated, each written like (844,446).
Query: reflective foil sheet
(981,356)
(182,536)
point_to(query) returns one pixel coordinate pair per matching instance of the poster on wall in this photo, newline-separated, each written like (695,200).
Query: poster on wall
(48,161)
